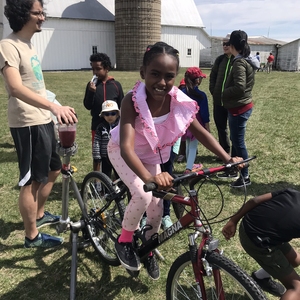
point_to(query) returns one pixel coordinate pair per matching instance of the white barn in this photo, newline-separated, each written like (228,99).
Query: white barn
(289,56)
(76,29)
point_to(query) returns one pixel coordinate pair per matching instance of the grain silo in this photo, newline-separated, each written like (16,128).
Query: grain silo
(137,24)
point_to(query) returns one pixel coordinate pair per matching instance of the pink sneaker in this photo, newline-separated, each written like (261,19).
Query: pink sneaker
(197,167)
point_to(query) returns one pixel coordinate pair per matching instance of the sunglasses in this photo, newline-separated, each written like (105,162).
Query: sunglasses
(226,44)
(107,114)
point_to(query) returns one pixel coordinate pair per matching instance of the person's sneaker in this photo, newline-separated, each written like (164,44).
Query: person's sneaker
(127,256)
(228,175)
(152,267)
(166,222)
(180,158)
(43,240)
(197,167)
(143,222)
(47,219)
(269,285)
(241,182)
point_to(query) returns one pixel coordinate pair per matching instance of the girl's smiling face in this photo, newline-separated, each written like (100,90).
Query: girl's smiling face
(159,76)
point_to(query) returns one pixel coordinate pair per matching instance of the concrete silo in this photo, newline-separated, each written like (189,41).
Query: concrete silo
(137,25)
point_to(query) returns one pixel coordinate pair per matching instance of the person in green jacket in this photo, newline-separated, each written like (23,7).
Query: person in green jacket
(237,97)
(217,79)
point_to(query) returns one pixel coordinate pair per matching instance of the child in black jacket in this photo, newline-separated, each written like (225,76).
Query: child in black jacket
(102,87)
(110,116)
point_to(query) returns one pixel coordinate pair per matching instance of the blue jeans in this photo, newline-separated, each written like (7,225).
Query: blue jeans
(237,126)
(191,152)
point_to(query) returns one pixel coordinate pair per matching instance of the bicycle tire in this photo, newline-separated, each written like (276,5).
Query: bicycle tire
(104,229)
(236,283)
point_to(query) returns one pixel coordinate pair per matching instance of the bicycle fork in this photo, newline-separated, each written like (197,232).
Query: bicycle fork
(201,266)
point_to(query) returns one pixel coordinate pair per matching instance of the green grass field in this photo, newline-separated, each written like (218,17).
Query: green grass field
(272,135)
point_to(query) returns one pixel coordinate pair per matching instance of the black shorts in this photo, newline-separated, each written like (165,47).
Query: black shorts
(273,259)
(36,150)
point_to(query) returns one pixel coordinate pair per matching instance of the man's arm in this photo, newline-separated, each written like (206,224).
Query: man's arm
(18,90)
(230,228)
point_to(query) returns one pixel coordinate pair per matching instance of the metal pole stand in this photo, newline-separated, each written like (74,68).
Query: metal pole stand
(66,171)
(75,228)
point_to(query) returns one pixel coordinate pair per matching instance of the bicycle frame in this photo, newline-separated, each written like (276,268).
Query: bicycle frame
(208,243)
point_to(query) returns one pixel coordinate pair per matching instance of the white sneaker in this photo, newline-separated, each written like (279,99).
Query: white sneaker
(143,222)
(166,222)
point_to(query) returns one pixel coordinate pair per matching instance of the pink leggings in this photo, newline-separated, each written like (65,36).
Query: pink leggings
(140,201)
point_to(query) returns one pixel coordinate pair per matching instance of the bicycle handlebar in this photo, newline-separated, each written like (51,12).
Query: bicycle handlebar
(151,186)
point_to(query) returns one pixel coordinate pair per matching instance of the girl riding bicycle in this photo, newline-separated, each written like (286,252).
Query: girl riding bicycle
(153,116)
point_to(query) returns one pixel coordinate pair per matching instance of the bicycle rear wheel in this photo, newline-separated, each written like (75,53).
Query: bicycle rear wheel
(103,230)
(237,285)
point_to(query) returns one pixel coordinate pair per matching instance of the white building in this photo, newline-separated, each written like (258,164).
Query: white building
(76,29)
(289,56)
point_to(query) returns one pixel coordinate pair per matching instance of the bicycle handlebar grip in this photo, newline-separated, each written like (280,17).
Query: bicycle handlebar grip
(150,186)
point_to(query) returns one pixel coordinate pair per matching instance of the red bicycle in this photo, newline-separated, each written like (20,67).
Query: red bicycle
(203,272)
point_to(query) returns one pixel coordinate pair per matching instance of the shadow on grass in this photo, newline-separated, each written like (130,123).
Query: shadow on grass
(7,145)
(95,280)
(6,157)
(8,227)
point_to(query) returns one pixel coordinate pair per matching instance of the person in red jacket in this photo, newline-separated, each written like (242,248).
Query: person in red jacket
(102,87)
(270,61)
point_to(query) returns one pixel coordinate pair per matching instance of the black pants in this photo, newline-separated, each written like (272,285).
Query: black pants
(107,168)
(221,121)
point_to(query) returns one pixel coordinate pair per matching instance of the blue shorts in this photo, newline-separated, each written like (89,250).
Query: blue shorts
(36,150)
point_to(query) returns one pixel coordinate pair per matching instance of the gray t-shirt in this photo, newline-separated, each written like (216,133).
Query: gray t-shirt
(20,54)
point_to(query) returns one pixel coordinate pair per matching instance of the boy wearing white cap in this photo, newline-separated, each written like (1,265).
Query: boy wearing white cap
(111,114)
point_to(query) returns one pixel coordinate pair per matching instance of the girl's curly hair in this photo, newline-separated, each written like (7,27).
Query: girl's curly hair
(17,12)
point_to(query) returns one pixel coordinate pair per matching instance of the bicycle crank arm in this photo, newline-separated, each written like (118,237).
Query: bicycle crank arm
(158,254)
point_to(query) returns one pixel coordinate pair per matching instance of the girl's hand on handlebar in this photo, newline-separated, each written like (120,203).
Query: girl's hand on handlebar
(164,181)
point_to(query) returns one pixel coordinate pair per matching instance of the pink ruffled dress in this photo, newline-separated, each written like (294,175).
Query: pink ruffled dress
(150,138)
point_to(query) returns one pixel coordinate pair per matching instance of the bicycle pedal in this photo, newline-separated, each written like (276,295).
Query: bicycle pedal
(73,168)
(133,273)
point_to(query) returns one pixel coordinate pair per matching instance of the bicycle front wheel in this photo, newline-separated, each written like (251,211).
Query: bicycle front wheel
(235,283)
(103,229)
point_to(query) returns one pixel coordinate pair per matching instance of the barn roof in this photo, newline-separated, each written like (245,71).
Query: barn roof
(101,10)
(173,12)
(180,13)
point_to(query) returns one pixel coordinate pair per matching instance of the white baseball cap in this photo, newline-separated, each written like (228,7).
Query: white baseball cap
(109,105)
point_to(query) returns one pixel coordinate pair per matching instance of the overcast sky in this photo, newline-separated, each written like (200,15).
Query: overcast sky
(275,19)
